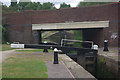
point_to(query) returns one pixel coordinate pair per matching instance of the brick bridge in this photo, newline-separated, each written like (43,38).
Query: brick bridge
(97,22)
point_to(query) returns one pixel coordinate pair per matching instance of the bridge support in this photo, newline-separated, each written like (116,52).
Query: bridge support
(63,36)
(39,37)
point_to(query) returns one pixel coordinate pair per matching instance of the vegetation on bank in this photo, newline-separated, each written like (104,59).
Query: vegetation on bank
(6,47)
(4,32)
(78,36)
(103,71)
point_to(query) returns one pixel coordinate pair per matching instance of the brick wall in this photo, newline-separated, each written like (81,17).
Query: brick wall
(119,25)
(21,22)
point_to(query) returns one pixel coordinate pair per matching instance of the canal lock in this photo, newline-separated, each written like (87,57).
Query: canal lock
(94,64)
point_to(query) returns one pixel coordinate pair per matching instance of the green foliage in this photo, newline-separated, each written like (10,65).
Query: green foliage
(21,6)
(6,47)
(13,3)
(48,5)
(78,36)
(4,34)
(64,5)
(103,71)
(28,6)
(91,3)
(102,60)
(39,6)
(6,9)
(33,6)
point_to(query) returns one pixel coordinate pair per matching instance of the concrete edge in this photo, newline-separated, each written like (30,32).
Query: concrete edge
(77,70)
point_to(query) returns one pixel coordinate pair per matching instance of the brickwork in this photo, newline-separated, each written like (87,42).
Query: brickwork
(21,23)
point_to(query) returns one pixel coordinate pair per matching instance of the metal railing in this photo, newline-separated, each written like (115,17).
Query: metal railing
(75,41)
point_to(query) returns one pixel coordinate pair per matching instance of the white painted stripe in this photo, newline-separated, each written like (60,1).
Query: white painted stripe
(17,45)
(68,70)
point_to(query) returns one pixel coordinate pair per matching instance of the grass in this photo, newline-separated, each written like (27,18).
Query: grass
(45,35)
(6,47)
(15,67)
(27,64)
(49,33)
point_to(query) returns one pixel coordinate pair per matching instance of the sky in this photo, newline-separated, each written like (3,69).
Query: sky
(57,3)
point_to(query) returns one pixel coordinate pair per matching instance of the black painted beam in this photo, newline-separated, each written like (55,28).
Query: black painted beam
(43,46)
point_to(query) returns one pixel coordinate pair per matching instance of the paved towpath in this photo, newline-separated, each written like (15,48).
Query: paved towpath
(5,54)
(112,53)
(58,70)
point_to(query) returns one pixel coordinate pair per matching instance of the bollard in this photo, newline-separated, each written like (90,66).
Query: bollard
(55,56)
(45,49)
(95,47)
(105,45)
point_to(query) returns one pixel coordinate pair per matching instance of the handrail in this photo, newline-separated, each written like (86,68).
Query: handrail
(76,41)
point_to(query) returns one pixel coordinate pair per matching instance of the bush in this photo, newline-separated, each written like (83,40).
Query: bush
(78,36)
(4,34)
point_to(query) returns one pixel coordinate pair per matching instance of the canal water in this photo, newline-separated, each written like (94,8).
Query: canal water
(100,70)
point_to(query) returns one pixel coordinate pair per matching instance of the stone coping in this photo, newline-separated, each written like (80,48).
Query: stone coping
(77,70)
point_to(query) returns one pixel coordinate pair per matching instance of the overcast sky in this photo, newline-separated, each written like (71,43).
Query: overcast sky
(73,3)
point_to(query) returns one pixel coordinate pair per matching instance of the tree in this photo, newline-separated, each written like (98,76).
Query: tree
(4,34)
(6,9)
(39,6)
(48,5)
(25,1)
(33,6)
(64,5)
(13,3)
(91,3)
(36,6)
(22,4)
(28,6)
